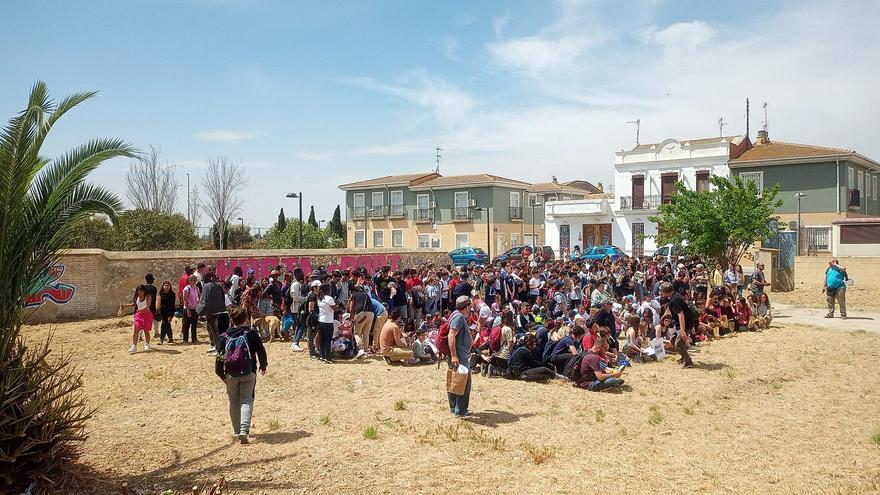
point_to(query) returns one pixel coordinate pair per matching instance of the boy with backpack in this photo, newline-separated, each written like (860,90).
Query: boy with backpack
(239,349)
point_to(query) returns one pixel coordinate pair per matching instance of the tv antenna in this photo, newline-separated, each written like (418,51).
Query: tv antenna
(638,123)
(721,124)
(765,115)
(747,117)
(438,159)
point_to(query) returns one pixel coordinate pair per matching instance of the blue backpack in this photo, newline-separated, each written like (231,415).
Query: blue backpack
(237,355)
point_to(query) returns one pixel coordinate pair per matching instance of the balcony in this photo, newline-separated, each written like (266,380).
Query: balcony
(516,213)
(358,212)
(854,198)
(461,214)
(424,215)
(651,202)
(397,211)
(378,211)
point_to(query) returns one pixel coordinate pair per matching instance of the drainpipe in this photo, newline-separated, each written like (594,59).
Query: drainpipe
(837,172)
(389,203)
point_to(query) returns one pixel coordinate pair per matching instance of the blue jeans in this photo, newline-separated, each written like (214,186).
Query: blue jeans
(300,329)
(458,404)
(599,385)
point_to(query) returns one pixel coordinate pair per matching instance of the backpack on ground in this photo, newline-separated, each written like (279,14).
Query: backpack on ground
(572,369)
(237,355)
(495,339)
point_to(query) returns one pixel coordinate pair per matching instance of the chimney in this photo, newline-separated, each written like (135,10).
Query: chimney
(555,180)
(763,137)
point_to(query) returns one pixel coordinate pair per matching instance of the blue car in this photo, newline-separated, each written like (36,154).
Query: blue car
(600,252)
(469,256)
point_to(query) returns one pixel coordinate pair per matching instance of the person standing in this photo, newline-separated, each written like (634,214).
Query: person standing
(460,342)
(153,292)
(361,307)
(166,308)
(237,365)
(834,287)
(759,281)
(211,304)
(682,319)
(326,310)
(190,299)
(143,317)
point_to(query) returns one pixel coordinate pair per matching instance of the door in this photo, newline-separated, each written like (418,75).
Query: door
(564,238)
(499,243)
(667,186)
(638,193)
(638,239)
(597,234)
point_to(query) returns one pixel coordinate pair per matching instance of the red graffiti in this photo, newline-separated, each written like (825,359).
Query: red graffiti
(263,266)
(50,289)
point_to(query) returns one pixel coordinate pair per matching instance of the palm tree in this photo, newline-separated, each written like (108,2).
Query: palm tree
(42,413)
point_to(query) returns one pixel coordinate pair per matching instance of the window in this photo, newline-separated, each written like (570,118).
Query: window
(566,198)
(359,238)
(397,238)
(867,185)
(851,178)
(461,210)
(435,242)
(638,239)
(377,199)
(702,181)
(756,177)
(533,199)
(378,238)
(861,180)
(424,241)
(514,240)
(461,240)
(358,208)
(397,208)
(423,210)
(515,206)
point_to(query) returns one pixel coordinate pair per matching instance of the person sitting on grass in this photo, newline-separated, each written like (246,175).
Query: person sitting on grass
(762,311)
(566,348)
(421,350)
(743,315)
(523,365)
(594,374)
(239,350)
(392,346)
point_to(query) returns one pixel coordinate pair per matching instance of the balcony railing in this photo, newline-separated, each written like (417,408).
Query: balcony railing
(378,211)
(516,213)
(650,202)
(358,212)
(461,213)
(397,211)
(424,215)
(855,198)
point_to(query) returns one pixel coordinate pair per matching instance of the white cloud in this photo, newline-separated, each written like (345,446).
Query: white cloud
(446,102)
(499,23)
(680,37)
(227,135)
(449,48)
(534,54)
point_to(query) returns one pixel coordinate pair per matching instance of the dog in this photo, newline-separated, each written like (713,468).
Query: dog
(269,326)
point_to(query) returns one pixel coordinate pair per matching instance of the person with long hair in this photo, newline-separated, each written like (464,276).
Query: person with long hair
(166,308)
(212,303)
(143,317)
(326,307)
(190,298)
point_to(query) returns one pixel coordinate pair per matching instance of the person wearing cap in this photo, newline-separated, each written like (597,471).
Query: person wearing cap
(834,287)
(460,343)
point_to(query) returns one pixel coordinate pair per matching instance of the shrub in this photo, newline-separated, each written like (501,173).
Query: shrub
(371,432)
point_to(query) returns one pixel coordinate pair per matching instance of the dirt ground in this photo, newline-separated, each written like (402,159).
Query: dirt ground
(857,298)
(769,412)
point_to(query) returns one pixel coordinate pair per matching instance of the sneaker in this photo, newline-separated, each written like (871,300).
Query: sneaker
(361,354)
(133,349)
(147,347)
(829,315)
(490,370)
(462,415)
(295,348)
(687,366)
(211,349)
(160,342)
(244,439)
(842,317)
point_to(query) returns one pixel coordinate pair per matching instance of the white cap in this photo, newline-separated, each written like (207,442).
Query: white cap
(315,283)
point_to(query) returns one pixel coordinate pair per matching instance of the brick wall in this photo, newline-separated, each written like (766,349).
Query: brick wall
(92,282)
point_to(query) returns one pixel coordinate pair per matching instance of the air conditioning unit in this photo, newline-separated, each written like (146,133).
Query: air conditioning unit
(472,203)
(792,225)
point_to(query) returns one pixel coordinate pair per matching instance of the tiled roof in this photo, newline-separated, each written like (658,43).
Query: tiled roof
(468,180)
(410,179)
(554,187)
(712,140)
(775,150)
(603,195)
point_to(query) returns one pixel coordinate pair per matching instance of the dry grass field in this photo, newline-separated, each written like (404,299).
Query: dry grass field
(788,410)
(857,298)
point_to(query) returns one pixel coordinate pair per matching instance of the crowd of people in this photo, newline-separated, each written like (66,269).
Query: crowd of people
(526,319)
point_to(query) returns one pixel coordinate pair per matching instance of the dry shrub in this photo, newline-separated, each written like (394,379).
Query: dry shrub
(538,455)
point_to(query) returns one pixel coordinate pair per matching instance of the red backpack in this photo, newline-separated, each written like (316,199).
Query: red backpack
(442,341)
(495,339)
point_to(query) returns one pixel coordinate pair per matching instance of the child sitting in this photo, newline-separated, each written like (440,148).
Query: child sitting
(422,350)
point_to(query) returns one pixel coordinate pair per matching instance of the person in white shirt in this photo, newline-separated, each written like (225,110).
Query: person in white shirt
(326,308)
(535,285)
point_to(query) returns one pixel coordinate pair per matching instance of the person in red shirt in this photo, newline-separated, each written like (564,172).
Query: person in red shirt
(182,282)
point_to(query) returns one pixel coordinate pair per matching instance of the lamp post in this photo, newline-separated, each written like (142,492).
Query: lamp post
(488,232)
(299,196)
(798,196)
(367,225)
(533,203)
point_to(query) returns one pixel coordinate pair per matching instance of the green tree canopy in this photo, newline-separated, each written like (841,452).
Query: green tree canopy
(93,232)
(337,227)
(313,237)
(148,230)
(722,223)
(312,221)
(239,236)
(282,220)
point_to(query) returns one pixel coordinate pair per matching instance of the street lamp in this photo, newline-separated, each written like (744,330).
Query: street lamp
(299,196)
(533,203)
(798,196)
(488,231)
(367,225)
(242,223)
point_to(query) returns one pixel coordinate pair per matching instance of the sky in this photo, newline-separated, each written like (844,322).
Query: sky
(310,95)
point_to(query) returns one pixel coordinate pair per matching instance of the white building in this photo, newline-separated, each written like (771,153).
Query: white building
(643,177)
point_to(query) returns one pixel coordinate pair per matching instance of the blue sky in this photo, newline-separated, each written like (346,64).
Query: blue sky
(311,95)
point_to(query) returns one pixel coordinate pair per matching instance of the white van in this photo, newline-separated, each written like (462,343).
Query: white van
(670,251)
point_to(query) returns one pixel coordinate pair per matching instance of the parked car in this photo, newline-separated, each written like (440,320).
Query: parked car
(600,252)
(469,256)
(672,252)
(516,254)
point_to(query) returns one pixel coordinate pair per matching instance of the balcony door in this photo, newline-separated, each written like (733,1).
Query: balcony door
(667,185)
(638,192)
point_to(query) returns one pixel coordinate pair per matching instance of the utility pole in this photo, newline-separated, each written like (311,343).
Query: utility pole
(299,196)
(798,195)
(438,159)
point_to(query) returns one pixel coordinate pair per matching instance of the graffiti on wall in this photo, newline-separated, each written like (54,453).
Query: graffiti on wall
(48,288)
(262,266)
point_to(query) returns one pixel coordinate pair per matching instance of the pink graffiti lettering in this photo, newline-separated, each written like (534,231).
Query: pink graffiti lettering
(263,266)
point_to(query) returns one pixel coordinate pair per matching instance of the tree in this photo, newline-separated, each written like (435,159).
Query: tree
(222,182)
(282,221)
(215,235)
(148,230)
(336,227)
(312,221)
(722,223)
(93,232)
(313,237)
(151,185)
(42,409)
(240,236)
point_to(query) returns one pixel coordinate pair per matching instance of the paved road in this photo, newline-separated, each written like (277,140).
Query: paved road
(857,320)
